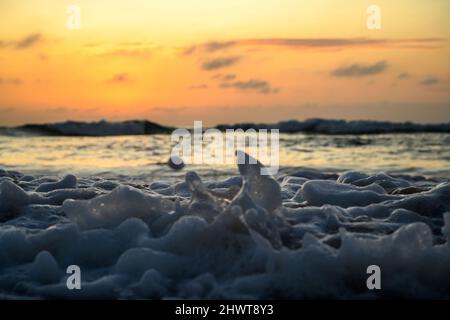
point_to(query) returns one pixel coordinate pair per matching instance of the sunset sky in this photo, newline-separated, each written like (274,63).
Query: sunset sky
(175,61)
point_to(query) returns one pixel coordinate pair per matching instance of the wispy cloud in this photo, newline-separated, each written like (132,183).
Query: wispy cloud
(217,63)
(418,43)
(168,109)
(403,76)
(43,56)
(224,77)
(429,81)
(23,43)
(12,81)
(58,110)
(228,77)
(342,42)
(190,50)
(7,109)
(132,49)
(210,46)
(260,86)
(314,42)
(198,86)
(217,45)
(28,41)
(360,70)
(119,78)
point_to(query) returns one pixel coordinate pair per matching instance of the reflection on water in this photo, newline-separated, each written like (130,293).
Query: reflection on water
(427,154)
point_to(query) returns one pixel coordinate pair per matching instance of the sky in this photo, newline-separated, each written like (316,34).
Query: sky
(176,61)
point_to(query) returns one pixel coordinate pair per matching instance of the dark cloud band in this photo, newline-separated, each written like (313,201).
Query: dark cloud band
(360,70)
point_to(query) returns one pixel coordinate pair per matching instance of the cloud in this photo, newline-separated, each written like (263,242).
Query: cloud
(58,110)
(343,42)
(403,75)
(360,70)
(43,56)
(23,43)
(28,41)
(224,77)
(217,63)
(261,86)
(217,45)
(11,81)
(314,42)
(228,81)
(418,43)
(119,78)
(199,86)
(168,109)
(228,77)
(7,109)
(189,50)
(132,50)
(211,46)
(429,81)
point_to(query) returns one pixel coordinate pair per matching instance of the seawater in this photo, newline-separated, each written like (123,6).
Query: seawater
(422,154)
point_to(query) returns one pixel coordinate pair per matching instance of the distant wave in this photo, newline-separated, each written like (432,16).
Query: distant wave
(324,126)
(144,127)
(99,128)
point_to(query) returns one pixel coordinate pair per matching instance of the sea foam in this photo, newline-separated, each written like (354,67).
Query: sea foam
(302,235)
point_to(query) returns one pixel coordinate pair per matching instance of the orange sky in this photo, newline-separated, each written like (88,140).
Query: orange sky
(175,61)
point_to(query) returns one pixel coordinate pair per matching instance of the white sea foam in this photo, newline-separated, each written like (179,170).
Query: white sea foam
(310,236)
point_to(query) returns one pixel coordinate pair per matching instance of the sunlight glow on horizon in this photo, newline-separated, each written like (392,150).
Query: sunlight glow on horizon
(178,60)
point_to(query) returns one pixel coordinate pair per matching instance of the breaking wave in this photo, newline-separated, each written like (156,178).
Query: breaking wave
(144,127)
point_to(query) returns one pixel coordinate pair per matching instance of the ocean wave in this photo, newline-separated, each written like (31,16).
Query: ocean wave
(330,126)
(77,128)
(144,127)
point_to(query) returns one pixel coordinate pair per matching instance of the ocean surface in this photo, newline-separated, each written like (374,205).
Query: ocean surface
(422,154)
